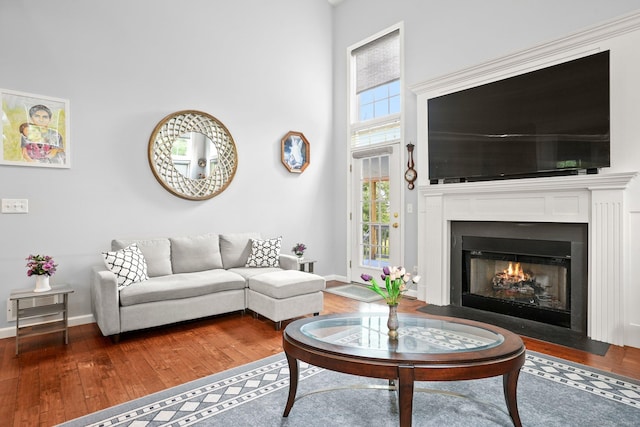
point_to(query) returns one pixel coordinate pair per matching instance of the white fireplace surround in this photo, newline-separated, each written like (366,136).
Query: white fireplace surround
(597,200)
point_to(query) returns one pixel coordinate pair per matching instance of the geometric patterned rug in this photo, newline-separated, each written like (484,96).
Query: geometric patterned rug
(550,392)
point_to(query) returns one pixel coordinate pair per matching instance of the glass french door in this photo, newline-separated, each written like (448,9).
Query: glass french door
(375,214)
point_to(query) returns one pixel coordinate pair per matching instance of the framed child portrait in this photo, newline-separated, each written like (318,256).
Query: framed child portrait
(35,130)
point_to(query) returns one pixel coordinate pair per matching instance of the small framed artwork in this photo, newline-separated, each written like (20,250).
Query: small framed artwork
(295,152)
(35,130)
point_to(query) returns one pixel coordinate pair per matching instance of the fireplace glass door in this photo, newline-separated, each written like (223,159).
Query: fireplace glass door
(525,278)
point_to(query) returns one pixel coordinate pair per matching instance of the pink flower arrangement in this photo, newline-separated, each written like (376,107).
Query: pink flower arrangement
(299,249)
(40,265)
(395,280)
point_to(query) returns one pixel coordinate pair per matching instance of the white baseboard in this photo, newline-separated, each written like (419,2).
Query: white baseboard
(73,321)
(336,278)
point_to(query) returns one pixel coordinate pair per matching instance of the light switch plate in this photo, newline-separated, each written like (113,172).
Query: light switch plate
(14,206)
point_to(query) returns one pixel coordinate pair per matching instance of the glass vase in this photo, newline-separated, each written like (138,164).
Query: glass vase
(392,322)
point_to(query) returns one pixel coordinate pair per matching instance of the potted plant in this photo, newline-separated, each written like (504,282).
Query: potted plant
(299,249)
(43,267)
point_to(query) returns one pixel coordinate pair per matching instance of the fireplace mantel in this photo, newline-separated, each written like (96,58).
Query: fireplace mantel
(597,200)
(557,183)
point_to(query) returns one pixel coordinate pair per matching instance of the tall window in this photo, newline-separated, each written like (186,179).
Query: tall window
(379,101)
(375,111)
(376,101)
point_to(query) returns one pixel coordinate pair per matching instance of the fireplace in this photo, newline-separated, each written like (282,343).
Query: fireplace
(593,203)
(534,271)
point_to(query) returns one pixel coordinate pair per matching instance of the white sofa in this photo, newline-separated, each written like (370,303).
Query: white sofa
(190,277)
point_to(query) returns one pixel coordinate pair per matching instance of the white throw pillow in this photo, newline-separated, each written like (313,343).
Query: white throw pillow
(265,253)
(127,264)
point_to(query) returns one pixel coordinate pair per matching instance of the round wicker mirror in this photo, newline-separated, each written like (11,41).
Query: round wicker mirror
(193,155)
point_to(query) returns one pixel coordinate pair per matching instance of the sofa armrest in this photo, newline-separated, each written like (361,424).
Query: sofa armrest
(289,262)
(105,301)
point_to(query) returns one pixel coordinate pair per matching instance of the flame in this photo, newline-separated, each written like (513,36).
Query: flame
(515,271)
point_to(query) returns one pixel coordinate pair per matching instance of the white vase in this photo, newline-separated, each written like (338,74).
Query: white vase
(42,283)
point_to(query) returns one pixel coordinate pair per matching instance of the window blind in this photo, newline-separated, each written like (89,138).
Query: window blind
(377,62)
(362,154)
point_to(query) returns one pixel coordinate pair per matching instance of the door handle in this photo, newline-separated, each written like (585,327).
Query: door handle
(395,225)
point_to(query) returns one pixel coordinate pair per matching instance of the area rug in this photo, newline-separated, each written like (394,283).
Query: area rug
(354,291)
(551,392)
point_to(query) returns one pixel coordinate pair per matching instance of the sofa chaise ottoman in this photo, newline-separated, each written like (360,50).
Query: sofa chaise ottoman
(282,295)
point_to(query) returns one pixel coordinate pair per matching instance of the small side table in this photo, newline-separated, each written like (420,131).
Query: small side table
(306,265)
(23,313)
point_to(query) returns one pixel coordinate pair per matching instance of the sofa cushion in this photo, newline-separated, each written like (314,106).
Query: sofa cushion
(195,253)
(157,253)
(127,264)
(183,285)
(286,283)
(235,248)
(264,253)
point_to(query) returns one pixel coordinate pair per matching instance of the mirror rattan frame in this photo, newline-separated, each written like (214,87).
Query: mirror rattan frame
(161,162)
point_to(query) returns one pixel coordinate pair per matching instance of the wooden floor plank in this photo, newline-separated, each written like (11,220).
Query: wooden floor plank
(49,383)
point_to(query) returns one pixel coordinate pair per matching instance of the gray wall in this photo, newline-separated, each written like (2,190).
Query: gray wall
(262,68)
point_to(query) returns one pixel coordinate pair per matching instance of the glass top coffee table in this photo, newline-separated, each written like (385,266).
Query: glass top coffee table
(427,349)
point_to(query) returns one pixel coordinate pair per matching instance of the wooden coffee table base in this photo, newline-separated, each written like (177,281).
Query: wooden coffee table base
(405,388)
(506,363)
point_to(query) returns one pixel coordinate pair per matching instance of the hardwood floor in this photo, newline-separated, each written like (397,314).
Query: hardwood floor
(49,383)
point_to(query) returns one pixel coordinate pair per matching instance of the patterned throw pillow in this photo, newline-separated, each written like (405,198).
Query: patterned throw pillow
(265,253)
(127,264)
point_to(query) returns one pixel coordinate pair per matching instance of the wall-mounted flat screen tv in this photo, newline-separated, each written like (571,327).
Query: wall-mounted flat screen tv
(546,122)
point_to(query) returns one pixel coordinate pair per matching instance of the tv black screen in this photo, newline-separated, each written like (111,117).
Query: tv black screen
(550,121)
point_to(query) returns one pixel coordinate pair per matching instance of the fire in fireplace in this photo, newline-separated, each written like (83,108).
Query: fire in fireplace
(531,285)
(534,271)
(527,285)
